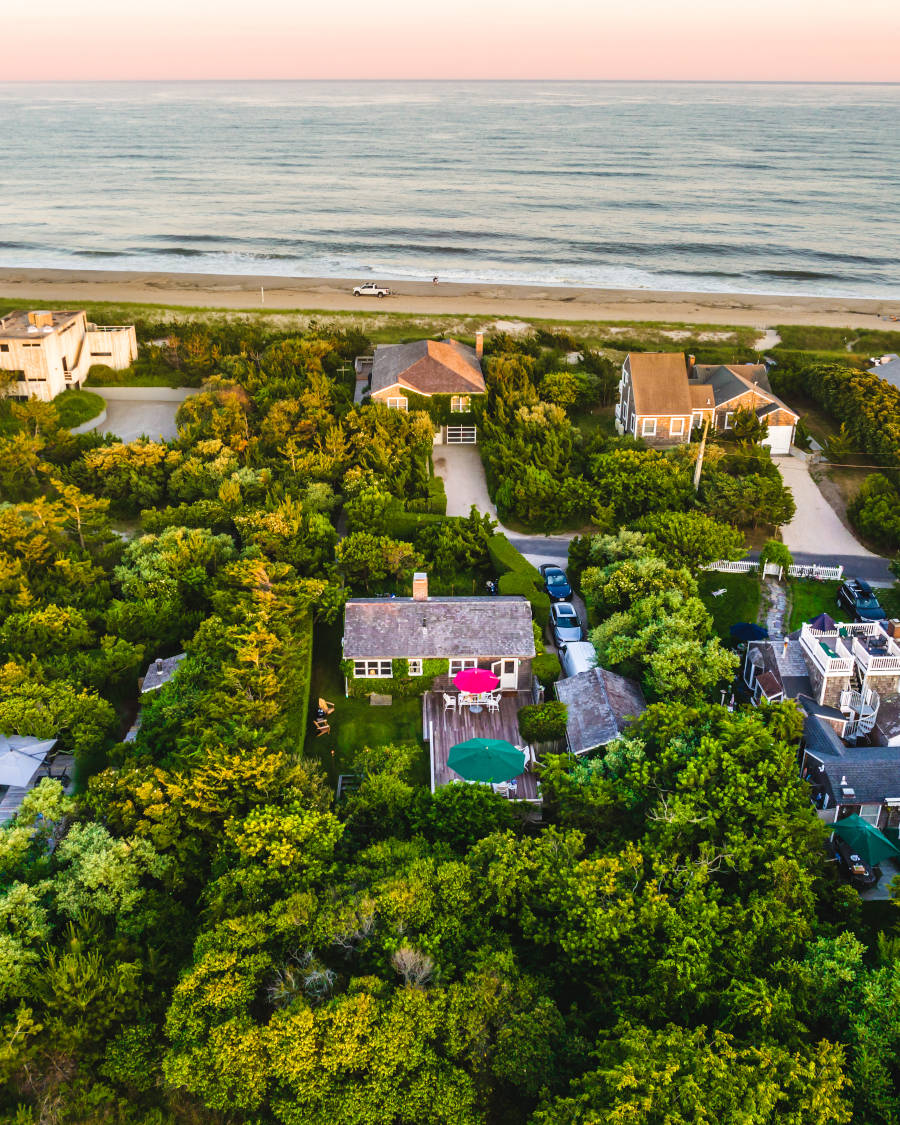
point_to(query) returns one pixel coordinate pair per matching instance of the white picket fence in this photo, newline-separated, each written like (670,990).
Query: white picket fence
(746,566)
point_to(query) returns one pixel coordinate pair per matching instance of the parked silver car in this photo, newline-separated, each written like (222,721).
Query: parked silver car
(564,623)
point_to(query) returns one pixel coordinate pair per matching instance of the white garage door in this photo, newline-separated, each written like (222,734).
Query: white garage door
(779,440)
(461,435)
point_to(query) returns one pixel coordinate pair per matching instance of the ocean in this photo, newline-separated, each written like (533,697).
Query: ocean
(679,186)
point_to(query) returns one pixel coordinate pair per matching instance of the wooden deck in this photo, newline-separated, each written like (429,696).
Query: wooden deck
(444,729)
(11,797)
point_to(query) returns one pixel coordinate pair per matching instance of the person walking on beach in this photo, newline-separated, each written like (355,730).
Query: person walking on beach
(434,280)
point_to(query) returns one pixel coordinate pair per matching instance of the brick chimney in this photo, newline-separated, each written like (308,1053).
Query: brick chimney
(479,345)
(420,586)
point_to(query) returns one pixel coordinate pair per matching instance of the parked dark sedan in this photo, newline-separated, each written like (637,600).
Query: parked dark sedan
(555,583)
(857,596)
(853,866)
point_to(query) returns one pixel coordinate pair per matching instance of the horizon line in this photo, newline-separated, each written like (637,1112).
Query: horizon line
(433,81)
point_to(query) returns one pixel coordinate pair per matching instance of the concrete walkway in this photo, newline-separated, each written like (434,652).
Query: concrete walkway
(815,528)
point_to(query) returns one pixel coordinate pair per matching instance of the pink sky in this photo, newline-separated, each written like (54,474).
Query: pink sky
(793,40)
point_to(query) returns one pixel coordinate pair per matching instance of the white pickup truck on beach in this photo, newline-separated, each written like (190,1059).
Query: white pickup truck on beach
(371,289)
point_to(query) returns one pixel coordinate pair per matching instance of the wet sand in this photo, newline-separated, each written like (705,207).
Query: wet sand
(510,302)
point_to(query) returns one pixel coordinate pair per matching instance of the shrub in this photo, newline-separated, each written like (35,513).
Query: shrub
(75,407)
(775,552)
(504,556)
(547,668)
(543,722)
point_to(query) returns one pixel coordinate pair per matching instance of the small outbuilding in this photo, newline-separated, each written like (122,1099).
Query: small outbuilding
(600,705)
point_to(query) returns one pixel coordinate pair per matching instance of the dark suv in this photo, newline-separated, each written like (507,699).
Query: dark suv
(555,583)
(857,596)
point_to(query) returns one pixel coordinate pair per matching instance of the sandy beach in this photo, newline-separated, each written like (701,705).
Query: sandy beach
(423,297)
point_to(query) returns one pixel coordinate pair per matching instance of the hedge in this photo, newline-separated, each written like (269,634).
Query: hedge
(405,525)
(543,722)
(435,502)
(547,668)
(520,584)
(401,683)
(505,557)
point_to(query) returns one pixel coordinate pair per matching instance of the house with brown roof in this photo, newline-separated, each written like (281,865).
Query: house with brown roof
(428,369)
(663,396)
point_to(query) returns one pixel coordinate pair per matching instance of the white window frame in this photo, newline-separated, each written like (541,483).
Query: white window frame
(696,419)
(414,667)
(729,414)
(458,663)
(373,669)
(645,422)
(398,402)
(680,431)
(460,404)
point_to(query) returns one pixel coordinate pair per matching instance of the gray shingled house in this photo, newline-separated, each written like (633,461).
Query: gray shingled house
(848,779)
(443,633)
(600,704)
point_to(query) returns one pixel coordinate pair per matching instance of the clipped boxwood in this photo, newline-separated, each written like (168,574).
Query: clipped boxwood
(543,722)
(505,557)
(547,668)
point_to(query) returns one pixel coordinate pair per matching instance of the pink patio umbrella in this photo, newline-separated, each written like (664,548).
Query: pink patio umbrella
(475,680)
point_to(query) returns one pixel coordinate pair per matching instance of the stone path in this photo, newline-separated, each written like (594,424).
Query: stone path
(776,610)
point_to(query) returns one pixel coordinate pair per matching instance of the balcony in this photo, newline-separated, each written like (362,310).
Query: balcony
(876,655)
(829,651)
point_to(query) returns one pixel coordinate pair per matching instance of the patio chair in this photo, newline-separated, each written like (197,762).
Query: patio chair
(322,727)
(325,707)
(449,702)
(492,703)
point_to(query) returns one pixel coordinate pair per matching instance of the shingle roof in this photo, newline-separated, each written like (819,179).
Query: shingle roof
(161,671)
(428,367)
(721,380)
(727,381)
(872,772)
(660,383)
(598,702)
(21,756)
(889,371)
(437,628)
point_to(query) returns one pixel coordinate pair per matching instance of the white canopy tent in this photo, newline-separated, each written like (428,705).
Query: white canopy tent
(21,756)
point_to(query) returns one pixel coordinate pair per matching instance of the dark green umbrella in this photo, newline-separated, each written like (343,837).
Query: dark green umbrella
(486,759)
(865,839)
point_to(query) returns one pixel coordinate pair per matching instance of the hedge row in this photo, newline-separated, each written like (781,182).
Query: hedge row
(519,577)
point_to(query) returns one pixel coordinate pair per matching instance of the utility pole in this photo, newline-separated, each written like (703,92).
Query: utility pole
(699,467)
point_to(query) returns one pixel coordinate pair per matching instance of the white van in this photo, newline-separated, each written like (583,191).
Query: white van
(577,656)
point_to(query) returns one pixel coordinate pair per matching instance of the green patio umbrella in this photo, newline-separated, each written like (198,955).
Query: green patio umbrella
(486,759)
(865,839)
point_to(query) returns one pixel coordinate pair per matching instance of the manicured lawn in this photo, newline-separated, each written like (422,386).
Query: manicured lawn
(602,420)
(809,598)
(355,722)
(740,602)
(75,407)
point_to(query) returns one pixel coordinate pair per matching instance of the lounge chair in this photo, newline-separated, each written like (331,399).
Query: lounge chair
(325,707)
(322,727)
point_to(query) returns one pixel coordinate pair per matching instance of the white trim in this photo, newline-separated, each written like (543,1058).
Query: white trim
(649,421)
(373,669)
(672,431)
(398,402)
(414,666)
(460,404)
(729,414)
(458,663)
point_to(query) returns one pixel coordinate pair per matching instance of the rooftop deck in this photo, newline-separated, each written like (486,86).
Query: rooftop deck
(444,729)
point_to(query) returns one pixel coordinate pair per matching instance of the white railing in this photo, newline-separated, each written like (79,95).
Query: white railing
(811,641)
(888,661)
(795,570)
(824,573)
(727,566)
(864,706)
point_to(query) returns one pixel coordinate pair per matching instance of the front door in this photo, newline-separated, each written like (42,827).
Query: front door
(507,672)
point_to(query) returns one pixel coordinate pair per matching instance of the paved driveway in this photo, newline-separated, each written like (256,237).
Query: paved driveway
(462,472)
(815,529)
(129,420)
